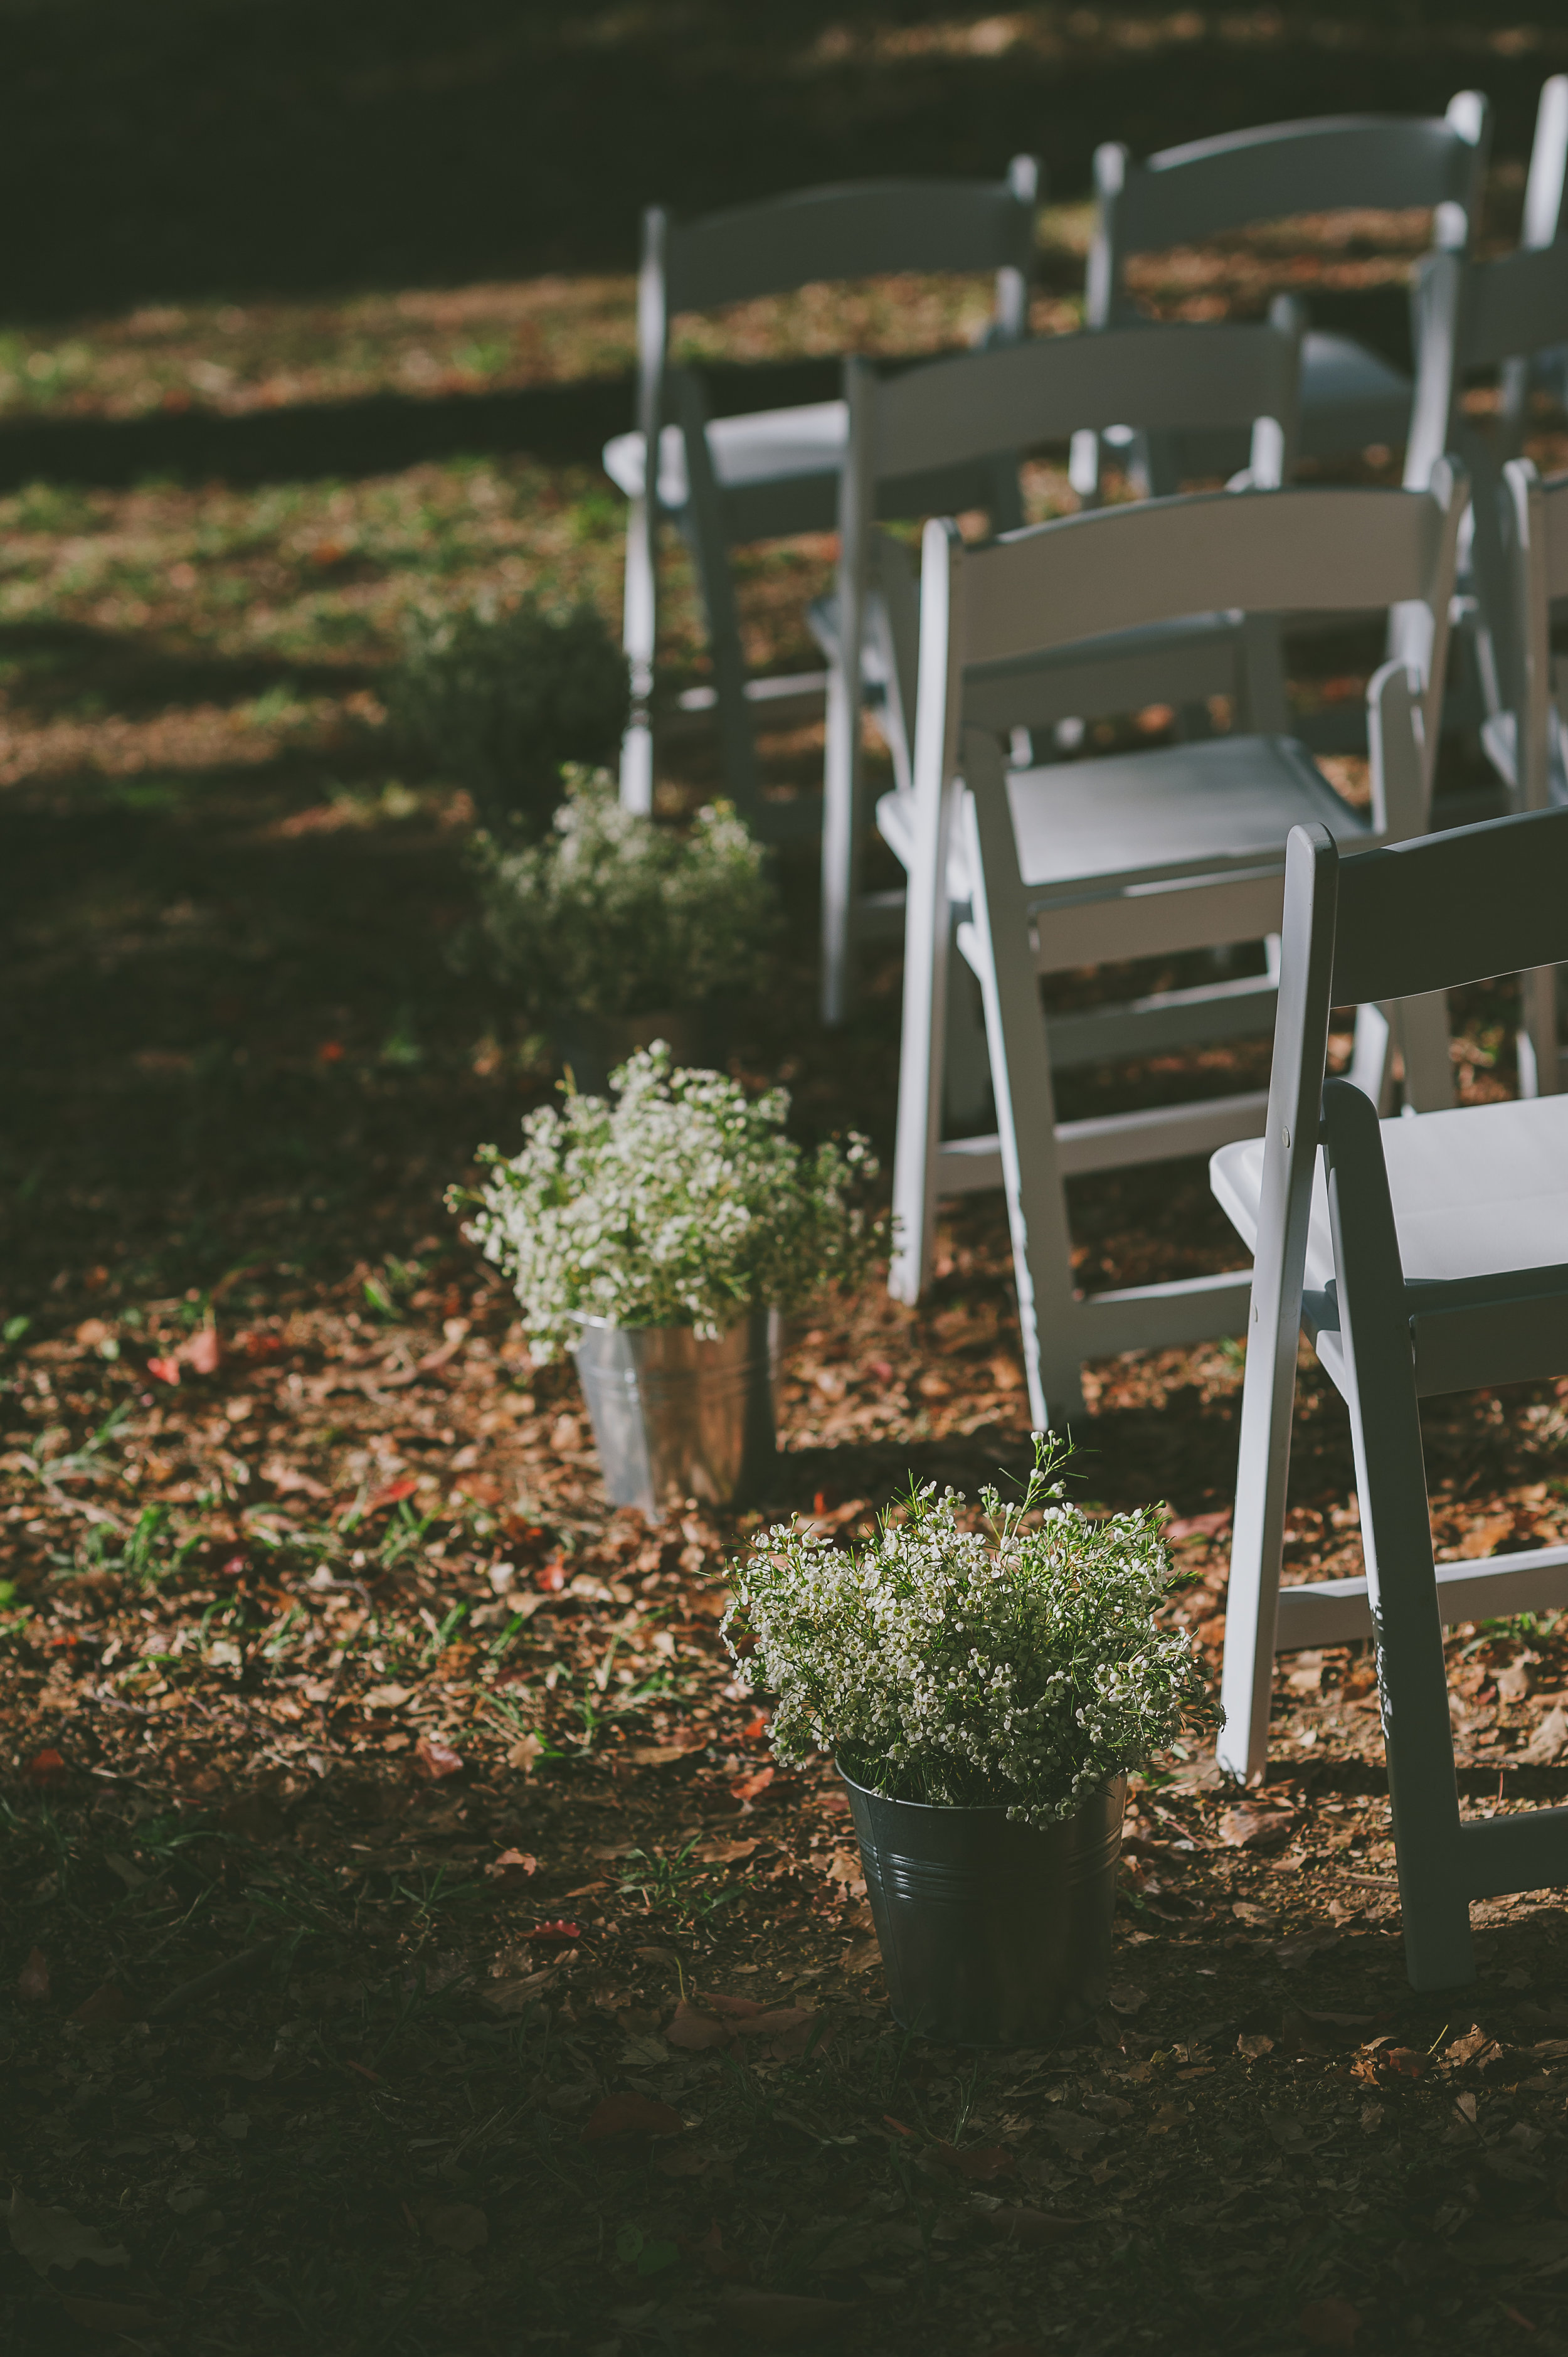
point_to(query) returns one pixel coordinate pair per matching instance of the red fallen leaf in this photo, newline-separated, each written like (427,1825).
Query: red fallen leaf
(744,2008)
(165,1369)
(553,1578)
(695,2030)
(712,2256)
(898,2128)
(554,1935)
(783,2317)
(203,1351)
(435,1759)
(620,2115)
(33,1980)
(105,2004)
(394,1493)
(1330,2323)
(330,1052)
(1404,2063)
(260,1346)
(480,1489)
(748,1787)
(979,2163)
(363,2069)
(1033,2226)
(755,1728)
(46,1768)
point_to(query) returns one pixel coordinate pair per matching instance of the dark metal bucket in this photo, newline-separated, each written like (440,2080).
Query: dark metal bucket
(993,1932)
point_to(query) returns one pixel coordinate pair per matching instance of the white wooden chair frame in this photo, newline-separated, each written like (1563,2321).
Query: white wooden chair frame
(1418,918)
(1506,316)
(1329,164)
(987,616)
(860,230)
(918,430)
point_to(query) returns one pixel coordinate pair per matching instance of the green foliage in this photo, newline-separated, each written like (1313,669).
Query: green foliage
(615,914)
(679,1202)
(1008,1665)
(501,701)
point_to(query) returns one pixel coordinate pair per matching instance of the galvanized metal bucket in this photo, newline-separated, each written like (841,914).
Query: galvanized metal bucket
(676,1416)
(993,1933)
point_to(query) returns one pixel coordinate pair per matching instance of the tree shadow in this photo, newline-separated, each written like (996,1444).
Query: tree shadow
(176,150)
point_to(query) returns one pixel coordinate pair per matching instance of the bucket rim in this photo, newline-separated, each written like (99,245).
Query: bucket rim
(982,1808)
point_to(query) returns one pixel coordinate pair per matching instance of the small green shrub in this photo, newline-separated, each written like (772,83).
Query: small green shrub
(619,914)
(502,702)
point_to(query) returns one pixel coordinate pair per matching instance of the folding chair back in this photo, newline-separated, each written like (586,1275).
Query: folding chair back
(1330,164)
(1351,397)
(1417,918)
(860,229)
(915,441)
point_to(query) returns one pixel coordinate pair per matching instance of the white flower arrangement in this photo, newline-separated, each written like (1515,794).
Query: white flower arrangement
(1012,1665)
(678,1202)
(616,913)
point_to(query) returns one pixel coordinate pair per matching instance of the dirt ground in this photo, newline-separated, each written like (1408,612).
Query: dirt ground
(408,1943)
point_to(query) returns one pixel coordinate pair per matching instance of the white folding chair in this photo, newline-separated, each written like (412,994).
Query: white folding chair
(776,471)
(928,425)
(1132,857)
(1419,1256)
(1507,318)
(1351,397)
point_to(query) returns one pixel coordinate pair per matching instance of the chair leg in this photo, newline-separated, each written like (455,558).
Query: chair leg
(1257,1537)
(1539,1058)
(1396,1536)
(966,1074)
(839,842)
(1049,1313)
(638,639)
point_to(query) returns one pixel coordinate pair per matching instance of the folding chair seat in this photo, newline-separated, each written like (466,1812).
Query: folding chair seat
(1420,1256)
(1350,396)
(922,433)
(776,471)
(1140,855)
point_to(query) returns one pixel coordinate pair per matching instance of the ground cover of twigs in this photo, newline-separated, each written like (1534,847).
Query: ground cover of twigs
(409,1944)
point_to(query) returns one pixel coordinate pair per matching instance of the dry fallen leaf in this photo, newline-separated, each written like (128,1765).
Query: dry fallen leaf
(103,2008)
(977,2163)
(1126,1998)
(1024,2226)
(1245,1828)
(452,2225)
(33,1980)
(435,1759)
(620,2115)
(53,2238)
(1549,1741)
(695,2030)
(1330,2323)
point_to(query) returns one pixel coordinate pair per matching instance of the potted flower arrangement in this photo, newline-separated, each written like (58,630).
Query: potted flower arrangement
(661,1235)
(620,928)
(983,1692)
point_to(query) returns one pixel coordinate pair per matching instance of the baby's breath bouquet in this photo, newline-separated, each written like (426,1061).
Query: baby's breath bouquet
(1018,1664)
(678,1202)
(615,913)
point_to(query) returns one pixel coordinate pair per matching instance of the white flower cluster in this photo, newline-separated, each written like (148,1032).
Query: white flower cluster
(1010,1665)
(615,913)
(678,1202)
